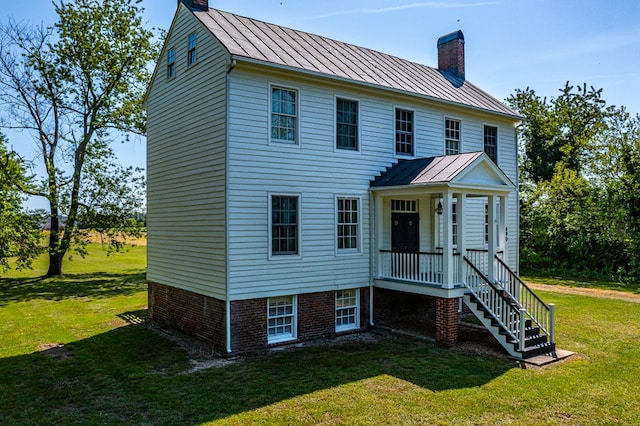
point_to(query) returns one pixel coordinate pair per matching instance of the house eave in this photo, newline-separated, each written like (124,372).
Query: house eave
(370,86)
(437,187)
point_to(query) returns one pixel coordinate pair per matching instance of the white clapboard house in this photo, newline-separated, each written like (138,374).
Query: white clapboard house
(301,187)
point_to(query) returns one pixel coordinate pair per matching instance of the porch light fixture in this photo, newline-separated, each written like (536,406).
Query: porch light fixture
(439,208)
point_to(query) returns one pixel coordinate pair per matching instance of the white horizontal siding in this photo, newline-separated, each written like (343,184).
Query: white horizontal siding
(186,165)
(319,172)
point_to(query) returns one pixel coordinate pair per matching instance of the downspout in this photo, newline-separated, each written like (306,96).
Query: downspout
(515,131)
(373,252)
(230,66)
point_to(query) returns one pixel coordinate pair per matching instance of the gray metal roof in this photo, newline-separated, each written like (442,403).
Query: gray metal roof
(273,44)
(441,169)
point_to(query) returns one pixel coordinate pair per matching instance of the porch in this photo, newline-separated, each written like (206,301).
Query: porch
(440,230)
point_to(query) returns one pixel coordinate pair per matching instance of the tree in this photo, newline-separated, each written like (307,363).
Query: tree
(72,88)
(580,184)
(558,130)
(19,233)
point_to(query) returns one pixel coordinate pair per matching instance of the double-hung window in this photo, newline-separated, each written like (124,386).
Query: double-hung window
(191,51)
(451,136)
(454,223)
(281,318)
(284,114)
(347,309)
(348,224)
(491,142)
(284,225)
(404,132)
(346,124)
(171,63)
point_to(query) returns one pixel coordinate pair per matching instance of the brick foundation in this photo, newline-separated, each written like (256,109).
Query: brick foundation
(417,314)
(447,328)
(397,309)
(204,317)
(194,314)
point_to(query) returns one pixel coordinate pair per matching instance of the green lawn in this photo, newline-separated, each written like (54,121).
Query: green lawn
(113,370)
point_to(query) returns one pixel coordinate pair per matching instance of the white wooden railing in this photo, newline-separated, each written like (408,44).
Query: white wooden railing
(420,267)
(539,312)
(504,309)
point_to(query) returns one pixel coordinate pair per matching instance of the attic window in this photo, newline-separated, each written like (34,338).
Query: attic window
(171,63)
(191,53)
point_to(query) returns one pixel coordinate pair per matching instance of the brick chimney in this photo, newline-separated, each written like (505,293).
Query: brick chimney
(196,4)
(451,53)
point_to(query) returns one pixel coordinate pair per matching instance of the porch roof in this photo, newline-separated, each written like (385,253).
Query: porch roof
(472,169)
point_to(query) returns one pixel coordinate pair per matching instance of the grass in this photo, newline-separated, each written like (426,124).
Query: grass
(114,370)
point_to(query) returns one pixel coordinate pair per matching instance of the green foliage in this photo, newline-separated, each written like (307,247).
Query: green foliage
(19,232)
(558,130)
(74,88)
(580,191)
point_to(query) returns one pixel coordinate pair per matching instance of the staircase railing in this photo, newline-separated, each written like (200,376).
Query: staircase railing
(504,309)
(540,313)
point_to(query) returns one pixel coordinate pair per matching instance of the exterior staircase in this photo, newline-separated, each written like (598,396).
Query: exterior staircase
(519,320)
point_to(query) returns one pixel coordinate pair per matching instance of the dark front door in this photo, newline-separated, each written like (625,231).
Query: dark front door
(405,244)
(405,232)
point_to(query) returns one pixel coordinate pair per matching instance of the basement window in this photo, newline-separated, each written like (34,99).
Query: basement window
(347,302)
(281,319)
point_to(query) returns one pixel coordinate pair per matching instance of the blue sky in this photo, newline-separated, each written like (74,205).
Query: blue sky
(509,44)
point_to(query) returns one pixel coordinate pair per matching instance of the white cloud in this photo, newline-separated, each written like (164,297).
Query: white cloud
(419,5)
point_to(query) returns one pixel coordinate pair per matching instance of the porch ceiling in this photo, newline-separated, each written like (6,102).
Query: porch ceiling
(472,171)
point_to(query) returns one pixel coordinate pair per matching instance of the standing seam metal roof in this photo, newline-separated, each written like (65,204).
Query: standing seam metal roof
(261,41)
(442,169)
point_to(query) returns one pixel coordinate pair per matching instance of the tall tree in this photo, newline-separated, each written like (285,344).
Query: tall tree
(559,130)
(580,191)
(19,232)
(74,87)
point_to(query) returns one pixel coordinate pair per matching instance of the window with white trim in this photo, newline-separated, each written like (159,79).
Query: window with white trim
(284,225)
(284,114)
(454,223)
(486,223)
(191,52)
(491,142)
(171,62)
(404,132)
(281,318)
(348,224)
(346,124)
(451,136)
(347,307)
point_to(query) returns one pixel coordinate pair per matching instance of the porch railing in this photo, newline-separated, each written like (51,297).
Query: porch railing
(419,267)
(504,309)
(536,310)
(480,259)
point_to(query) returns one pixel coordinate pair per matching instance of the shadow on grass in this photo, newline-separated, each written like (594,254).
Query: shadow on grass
(132,375)
(93,285)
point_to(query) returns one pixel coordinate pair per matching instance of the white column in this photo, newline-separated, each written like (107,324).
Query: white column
(493,238)
(379,232)
(503,227)
(462,243)
(447,243)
